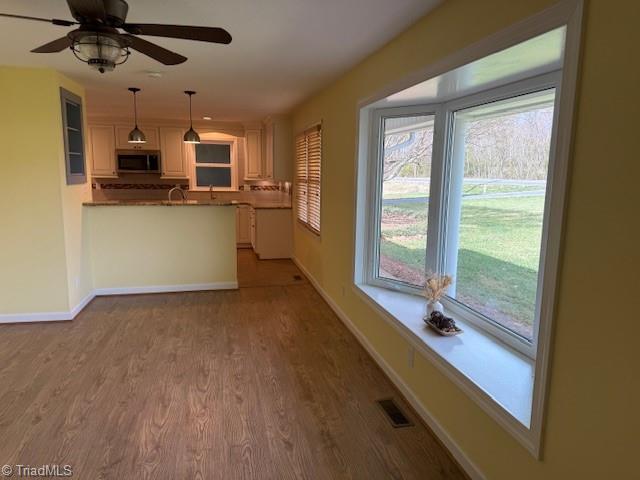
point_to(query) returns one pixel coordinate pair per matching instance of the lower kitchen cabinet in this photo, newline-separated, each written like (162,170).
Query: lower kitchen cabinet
(272,232)
(243,226)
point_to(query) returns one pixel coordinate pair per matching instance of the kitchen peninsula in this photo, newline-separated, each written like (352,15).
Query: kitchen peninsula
(155,246)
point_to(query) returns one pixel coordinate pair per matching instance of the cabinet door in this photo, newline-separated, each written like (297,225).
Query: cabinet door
(102,146)
(253,154)
(243,226)
(252,226)
(173,154)
(269,132)
(122,138)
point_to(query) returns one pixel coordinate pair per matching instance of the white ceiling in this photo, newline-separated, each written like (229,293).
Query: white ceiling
(282,51)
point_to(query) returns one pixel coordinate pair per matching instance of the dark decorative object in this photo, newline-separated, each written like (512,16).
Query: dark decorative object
(442,324)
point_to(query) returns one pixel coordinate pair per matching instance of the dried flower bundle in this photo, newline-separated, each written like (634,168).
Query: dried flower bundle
(435,286)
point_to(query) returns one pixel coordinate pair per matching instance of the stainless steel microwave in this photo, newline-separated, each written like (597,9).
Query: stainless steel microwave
(136,161)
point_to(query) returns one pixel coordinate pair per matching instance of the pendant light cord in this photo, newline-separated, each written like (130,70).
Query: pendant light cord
(135,109)
(190,114)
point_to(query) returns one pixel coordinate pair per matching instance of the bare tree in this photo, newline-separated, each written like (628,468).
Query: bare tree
(512,146)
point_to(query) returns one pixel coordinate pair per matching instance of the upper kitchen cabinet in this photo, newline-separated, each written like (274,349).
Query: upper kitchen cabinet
(278,149)
(122,138)
(174,153)
(253,167)
(102,149)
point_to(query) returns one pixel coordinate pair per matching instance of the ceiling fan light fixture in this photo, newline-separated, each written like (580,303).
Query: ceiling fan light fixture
(100,51)
(191,136)
(136,135)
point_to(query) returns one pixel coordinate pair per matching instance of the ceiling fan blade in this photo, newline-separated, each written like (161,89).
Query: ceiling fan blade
(53,47)
(202,34)
(55,21)
(154,51)
(87,11)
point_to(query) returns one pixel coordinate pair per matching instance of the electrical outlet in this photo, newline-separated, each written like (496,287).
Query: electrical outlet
(411,355)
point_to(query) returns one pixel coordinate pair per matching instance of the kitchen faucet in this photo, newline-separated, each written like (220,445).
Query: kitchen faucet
(182,193)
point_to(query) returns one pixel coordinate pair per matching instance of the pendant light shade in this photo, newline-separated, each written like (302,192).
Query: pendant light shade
(191,136)
(136,135)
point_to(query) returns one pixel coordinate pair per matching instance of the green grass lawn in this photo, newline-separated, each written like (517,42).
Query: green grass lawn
(497,257)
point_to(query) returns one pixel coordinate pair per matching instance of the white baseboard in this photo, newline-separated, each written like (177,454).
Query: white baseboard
(190,287)
(35,317)
(470,468)
(73,313)
(47,316)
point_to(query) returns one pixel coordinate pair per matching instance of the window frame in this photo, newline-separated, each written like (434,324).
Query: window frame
(305,133)
(372,252)
(438,210)
(232,166)
(68,97)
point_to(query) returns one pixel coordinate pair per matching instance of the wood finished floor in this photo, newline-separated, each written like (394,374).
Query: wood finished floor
(259,383)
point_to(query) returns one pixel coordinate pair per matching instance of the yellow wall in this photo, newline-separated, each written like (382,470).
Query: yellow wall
(33,264)
(149,246)
(592,422)
(79,282)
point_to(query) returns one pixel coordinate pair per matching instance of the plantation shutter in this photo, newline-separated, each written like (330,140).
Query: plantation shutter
(308,177)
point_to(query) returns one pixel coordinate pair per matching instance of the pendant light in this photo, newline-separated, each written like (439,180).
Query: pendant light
(191,136)
(136,135)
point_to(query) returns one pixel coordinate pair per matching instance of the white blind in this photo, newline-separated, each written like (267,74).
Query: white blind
(308,176)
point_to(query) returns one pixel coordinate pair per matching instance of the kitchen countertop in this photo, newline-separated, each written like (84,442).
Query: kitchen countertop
(187,203)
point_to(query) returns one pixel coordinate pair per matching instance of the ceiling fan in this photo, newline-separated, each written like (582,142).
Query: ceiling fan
(99,43)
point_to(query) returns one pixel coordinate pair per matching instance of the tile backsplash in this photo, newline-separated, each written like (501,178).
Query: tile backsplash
(152,187)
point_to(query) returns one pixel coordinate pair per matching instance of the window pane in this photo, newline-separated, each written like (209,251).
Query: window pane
(405,198)
(213,153)
(218,177)
(497,195)
(76,164)
(75,141)
(73,115)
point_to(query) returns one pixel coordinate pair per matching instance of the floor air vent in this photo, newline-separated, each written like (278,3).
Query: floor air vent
(397,418)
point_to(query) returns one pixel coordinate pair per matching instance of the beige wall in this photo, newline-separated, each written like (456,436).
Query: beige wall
(592,421)
(36,203)
(155,246)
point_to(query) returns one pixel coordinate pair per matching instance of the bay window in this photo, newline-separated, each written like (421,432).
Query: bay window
(460,188)
(464,173)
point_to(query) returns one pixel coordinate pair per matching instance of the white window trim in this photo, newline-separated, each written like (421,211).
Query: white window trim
(233,142)
(567,13)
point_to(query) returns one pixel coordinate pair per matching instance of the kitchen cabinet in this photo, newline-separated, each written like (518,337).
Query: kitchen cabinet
(174,153)
(271,232)
(243,225)
(252,227)
(269,131)
(102,149)
(122,138)
(253,169)
(278,149)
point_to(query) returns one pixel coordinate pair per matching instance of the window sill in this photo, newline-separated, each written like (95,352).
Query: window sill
(497,377)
